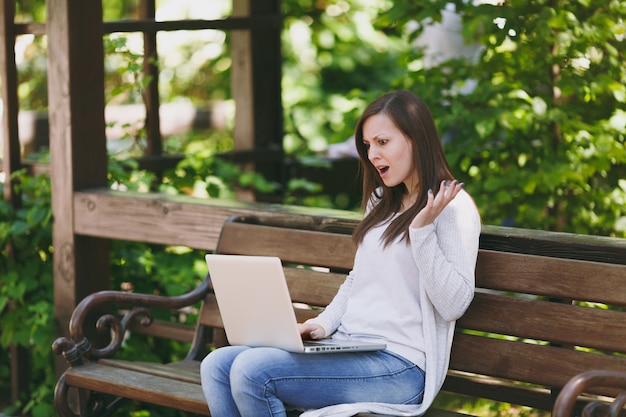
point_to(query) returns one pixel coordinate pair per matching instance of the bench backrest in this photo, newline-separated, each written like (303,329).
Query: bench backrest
(537,320)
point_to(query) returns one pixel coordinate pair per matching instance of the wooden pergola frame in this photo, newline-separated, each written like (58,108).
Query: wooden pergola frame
(78,166)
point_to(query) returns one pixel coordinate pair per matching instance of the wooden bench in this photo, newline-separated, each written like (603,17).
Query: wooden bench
(548,307)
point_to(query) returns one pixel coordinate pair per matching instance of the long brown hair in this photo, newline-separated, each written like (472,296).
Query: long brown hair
(413,118)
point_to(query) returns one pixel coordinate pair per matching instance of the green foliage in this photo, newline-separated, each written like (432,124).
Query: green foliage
(331,54)
(31,10)
(125,68)
(26,308)
(203,173)
(32,61)
(482,407)
(540,140)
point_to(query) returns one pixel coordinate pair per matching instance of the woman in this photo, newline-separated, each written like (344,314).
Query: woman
(413,276)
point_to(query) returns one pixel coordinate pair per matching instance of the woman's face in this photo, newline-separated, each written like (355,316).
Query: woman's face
(390,152)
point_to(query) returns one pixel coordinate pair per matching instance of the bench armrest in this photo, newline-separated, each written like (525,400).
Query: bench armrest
(77,349)
(566,401)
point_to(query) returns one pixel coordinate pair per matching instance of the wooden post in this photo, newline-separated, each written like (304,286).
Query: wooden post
(256,79)
(256,85)
(11,162)
(151,94)
(243,91)
(267,78)
(77,148)
(8,74)
(241,81)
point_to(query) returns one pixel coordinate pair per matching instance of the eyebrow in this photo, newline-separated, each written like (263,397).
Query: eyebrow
(373,138)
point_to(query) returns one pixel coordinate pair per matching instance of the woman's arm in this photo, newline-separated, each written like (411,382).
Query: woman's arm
(445,252)
(330,318)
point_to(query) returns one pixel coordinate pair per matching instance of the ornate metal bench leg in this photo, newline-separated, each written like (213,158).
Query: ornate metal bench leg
(61,402)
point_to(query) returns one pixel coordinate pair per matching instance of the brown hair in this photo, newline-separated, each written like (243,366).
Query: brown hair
(413,118)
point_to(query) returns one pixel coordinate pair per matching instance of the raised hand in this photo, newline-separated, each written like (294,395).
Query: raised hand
(436,203)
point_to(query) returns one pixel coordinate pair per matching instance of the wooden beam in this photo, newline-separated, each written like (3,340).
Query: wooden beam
(77,147)
(227,24)
(185,221)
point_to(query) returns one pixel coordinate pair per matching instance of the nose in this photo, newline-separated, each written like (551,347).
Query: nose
(372,153)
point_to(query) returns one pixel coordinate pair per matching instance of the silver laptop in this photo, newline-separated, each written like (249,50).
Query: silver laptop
(256,308)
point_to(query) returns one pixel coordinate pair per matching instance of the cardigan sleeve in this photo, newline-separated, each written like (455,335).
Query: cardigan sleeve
(445,253)
(330,318)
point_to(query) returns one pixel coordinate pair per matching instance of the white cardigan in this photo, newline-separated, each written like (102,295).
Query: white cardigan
(444,255)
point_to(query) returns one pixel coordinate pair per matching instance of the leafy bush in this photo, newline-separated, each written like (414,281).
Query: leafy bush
(26,308)
(539,140)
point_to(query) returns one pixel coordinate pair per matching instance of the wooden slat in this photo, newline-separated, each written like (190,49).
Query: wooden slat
(312,287)
(165,329)
(35,28)
(135,385)
(559,278)
(547,321)
(507,392)
(518,361)
(306,247)
(554,244)
(151,25)
(186,371)
(498,390)
(226,24)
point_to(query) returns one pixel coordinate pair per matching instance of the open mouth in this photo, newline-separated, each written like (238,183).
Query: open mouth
(383,170)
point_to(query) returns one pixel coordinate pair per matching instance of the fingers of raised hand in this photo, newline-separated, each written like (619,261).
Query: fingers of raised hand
(448,190)
(436,203)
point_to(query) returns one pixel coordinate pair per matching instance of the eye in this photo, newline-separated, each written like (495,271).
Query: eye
(383,141)
(366,145)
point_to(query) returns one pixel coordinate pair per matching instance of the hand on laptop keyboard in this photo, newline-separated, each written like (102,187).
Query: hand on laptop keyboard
(311,331)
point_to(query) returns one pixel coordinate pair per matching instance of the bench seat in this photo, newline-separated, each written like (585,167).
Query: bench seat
(162,384)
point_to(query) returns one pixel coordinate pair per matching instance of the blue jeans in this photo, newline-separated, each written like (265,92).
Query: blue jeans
(259,382)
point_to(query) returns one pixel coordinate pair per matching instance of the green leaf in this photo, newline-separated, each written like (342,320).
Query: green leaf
(4,301)
(20,227)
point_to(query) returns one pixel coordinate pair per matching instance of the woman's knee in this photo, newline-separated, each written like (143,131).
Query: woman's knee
(217,364)
(257,366)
